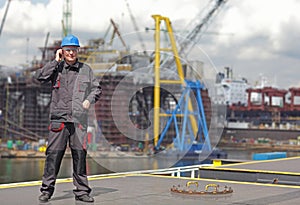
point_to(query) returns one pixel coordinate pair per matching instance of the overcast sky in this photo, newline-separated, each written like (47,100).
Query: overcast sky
(253,37)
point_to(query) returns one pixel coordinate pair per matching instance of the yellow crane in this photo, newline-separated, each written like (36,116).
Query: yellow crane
(158,19)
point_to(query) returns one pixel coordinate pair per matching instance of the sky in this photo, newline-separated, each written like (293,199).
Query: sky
(254,37)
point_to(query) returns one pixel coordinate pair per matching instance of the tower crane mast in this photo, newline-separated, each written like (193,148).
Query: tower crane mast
(67,17)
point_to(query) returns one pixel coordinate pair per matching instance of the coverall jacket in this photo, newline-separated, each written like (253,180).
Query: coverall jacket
(71,85)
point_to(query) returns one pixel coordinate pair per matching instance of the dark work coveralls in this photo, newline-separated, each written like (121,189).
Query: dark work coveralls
(71,85)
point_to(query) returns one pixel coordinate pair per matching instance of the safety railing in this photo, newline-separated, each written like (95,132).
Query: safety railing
(184,171)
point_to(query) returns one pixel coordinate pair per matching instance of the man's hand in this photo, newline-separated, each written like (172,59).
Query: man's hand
(58,55)
(86,104)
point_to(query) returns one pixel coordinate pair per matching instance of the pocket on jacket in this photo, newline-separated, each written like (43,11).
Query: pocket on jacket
(56,126)
(83,86)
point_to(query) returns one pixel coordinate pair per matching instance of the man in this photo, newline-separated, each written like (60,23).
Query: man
(74,89)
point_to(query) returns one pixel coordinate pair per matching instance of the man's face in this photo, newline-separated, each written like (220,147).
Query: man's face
(70,54)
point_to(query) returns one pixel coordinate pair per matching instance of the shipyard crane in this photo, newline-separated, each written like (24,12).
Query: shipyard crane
(4,17)
(67,17)
(45,47)
(194,122)
(116,31)
(136,27)
(187,43)
(191,39)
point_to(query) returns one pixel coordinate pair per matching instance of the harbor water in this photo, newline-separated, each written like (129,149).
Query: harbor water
(31,169)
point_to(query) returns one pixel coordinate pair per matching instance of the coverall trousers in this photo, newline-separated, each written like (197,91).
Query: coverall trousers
(57,142)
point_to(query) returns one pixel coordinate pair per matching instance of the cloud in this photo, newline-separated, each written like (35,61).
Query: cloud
(287,41)
(264,40)
(253,36)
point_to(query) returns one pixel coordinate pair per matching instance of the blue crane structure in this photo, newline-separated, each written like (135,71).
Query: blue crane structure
(193,117)
(186,133)
(193,127)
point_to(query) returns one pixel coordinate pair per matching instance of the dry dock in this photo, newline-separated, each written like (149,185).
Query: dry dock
(131,189)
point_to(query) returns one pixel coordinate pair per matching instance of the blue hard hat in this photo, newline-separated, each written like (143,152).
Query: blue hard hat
(70,40)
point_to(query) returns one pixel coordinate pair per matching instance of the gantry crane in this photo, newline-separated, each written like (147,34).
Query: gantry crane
(194,121)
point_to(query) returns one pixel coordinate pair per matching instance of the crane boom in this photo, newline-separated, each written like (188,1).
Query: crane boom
(4,17)
(136,27)
(191,38)
(116,31)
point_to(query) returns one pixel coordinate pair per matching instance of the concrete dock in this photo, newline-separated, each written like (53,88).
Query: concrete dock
(285,171)
(136,189)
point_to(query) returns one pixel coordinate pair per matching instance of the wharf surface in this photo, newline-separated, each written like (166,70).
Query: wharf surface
(136,188)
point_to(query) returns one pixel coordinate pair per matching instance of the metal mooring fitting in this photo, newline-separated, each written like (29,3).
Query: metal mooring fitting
(192,187)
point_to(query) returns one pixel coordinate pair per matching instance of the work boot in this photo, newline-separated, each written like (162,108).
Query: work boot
(84,198)
(44,197)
